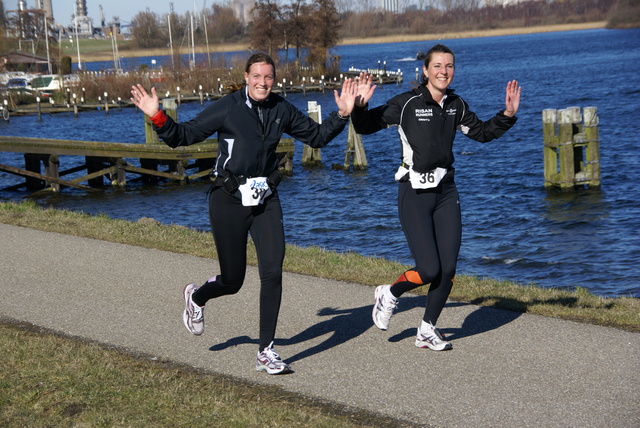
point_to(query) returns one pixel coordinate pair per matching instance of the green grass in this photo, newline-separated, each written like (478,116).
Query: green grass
(89,46)
(576,305)
(47,379)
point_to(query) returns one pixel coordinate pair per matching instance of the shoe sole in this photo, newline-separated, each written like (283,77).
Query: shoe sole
(373,314)
(284,370)
(185,314)
(426,345)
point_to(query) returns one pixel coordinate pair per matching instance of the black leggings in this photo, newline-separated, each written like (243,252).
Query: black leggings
(231,222)
(432,224)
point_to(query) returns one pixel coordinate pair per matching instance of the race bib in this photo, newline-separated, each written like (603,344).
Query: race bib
(254,191)
(426,180)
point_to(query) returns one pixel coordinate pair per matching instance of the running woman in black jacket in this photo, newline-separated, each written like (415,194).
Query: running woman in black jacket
(244,198)
(427,119)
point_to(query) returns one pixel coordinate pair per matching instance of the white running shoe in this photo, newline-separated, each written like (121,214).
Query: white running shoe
(270,362)
(383,307)
(430,337)
(193,316)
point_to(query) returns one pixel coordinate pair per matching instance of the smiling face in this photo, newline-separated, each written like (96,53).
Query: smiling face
(260,79)
(439,73)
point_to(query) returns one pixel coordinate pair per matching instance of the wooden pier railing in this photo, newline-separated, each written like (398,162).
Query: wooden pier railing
(114,161)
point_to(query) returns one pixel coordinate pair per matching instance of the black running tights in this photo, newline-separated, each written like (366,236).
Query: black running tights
(432,224)
(231,222)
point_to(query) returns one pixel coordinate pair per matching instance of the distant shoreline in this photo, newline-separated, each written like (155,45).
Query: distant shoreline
(235,47)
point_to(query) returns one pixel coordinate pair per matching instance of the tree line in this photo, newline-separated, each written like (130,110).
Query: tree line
(307,30)
(309,27)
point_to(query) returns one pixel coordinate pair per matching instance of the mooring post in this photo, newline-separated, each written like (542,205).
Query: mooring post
(106,103)
(52,169)
(94,165)
(75,106)
(119,178)
(38,108)
(550,150)
(565,149)
(32,164)
(593,145)
(354,152)
(6,114)
(312,157)
(571,155)
(355,146)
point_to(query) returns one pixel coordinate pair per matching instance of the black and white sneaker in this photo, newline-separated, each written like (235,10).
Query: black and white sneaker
(383,307)
(430,337)
(193,316)
(270,362)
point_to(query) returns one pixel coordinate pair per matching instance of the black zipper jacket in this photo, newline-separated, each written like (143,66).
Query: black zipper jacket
(427,130)
(247,144)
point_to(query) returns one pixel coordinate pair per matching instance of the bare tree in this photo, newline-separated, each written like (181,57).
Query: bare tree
(146,30)
(223,25)
(297,25)
(325,26)
(266,31)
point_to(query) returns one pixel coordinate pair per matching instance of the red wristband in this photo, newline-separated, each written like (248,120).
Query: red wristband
(159,119)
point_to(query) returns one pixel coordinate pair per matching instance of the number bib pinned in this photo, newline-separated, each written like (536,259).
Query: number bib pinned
(426,180)
(254,191)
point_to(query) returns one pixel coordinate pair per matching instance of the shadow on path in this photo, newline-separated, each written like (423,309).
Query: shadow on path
(346,324)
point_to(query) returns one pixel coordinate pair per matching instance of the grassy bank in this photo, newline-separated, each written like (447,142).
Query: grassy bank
(578,305)
(47,379)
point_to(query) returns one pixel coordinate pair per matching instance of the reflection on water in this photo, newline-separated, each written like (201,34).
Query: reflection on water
(581,206)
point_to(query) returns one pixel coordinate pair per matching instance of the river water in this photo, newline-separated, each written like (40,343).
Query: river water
(512,227)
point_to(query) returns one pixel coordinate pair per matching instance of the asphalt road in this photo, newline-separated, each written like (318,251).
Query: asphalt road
(506,369)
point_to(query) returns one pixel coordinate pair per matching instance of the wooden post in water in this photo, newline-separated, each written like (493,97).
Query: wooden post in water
(39,112)
(565,149)
(590,127)
(32,164)
(354,152)
(550,150)
(151,137)
(312,157)
(106,103)
(52,169)
(118,178)
(75,106)
(571,155)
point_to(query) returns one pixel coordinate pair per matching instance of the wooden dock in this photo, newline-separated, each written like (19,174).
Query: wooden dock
(115,160)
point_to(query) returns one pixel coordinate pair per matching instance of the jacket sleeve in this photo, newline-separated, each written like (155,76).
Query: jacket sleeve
(485,131)
(196,130)
(305,129)
(367,121)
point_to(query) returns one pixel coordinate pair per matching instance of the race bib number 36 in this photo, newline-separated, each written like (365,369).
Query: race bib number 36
(426,180)
(254,191)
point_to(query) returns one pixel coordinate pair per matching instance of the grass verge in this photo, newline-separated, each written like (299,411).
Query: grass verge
(47,379)
(576,305)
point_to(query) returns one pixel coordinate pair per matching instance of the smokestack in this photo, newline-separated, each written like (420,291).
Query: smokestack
(48,9)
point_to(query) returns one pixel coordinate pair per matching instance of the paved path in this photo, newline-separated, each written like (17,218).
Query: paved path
(506,369)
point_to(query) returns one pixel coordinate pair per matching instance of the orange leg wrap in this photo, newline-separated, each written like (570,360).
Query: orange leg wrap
(410,276)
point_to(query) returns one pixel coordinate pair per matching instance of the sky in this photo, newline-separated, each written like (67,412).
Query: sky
(125,9)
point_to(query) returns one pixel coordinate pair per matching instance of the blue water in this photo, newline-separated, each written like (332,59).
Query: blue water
(513,228)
